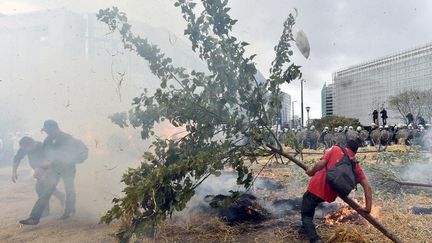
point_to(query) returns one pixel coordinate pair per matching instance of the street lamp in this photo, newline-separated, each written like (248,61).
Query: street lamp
(292,105)
(301,82)
(307,110)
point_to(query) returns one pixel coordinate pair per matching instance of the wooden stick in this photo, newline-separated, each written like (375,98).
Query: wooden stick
(348,200)
(410,183)
(286,155)
(371,219)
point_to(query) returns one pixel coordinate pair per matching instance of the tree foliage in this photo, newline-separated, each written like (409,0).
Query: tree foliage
(416,102)
(226,112)
(335,121)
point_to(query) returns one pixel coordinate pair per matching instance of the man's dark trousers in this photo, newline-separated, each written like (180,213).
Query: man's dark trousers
(309,203)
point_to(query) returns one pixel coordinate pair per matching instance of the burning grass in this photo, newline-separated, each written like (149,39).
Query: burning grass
(394,215)
(344,215)
(342,225)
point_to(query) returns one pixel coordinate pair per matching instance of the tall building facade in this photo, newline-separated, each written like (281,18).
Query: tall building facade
(360,89)
(285,112)
(327,100)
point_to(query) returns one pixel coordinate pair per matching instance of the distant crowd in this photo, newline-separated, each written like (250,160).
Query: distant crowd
(373,135)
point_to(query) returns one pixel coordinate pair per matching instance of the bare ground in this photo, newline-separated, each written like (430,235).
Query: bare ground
(16,201)
(96,185)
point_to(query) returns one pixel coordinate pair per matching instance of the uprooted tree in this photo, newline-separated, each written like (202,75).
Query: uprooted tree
(226,112)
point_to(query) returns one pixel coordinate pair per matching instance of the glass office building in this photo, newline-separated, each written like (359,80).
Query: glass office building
(327,100)
(285,111)
(360,89)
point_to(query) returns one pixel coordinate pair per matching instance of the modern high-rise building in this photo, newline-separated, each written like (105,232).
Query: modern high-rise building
(362,88)
(327,100)
(285,112)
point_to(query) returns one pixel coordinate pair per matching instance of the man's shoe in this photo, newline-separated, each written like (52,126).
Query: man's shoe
(29,221)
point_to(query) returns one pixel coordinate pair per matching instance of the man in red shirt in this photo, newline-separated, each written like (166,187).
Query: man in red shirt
(319,189)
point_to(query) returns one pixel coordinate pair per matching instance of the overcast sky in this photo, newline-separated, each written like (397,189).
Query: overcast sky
(341,33)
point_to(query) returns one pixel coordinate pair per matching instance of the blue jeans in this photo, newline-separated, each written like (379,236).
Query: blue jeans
(49,185)
(41,189)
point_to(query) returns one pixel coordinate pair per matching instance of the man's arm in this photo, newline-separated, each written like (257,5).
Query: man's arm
(317,167)
(17,159)
(368,194)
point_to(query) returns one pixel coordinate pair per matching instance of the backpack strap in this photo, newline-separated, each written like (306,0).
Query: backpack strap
(343,150)
(352,163)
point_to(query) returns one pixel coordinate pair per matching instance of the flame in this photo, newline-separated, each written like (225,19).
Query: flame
(376,212)
(345,214)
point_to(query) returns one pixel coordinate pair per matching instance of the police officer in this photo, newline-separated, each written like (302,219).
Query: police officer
(323,134)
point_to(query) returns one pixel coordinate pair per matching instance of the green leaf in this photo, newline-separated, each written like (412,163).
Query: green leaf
(212,109)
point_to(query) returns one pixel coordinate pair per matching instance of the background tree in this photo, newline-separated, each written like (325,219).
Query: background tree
(416,102)
(335,121)
(427,105)
(226,112)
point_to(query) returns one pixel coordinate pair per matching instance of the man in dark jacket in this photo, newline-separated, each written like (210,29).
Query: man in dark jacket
(421,121)
(63,154)
(375,116)
(36,157)
(384,116)
(410,118)
(319,190)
